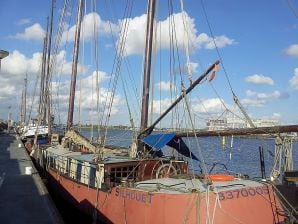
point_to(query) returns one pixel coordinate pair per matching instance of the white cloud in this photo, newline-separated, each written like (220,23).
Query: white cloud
(135,36)
(259,79)
(185,29)
(165,86)
(86,90)
(294,80)
(16,65)
(276,116)
(253,102)
(160,106)
(91,24)
(90,82)
(203,38)
(190,68)
(6,89)
(64,67)
(260,99)
(23,21)
(213,105)
(193,67)
(12,75)
(292,50)
(13,71)
(34,32)
(270,96)
(250,93)
(207,106)
(220,41)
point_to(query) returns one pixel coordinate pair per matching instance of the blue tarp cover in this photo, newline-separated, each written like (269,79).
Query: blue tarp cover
(158,141)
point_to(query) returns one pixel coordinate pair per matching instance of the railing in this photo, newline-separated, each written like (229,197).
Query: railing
(74,169)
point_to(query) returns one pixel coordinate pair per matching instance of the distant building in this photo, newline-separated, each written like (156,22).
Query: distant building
(227,123)
(235,122)
(265,122)
(216,124)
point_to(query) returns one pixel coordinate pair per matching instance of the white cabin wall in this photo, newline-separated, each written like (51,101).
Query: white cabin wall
(99,175)
(85,173)
(73,168)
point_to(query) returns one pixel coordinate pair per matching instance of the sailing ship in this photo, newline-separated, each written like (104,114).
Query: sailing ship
(140,185)
(27,132)
(38,130)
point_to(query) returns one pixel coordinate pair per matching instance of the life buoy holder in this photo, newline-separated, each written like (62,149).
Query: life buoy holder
(221,177)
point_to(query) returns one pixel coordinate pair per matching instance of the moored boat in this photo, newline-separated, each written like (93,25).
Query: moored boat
(140,185)
(119,189)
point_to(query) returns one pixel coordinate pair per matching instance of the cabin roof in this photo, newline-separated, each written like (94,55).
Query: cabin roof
(89,157)
(60,151)
(108,158)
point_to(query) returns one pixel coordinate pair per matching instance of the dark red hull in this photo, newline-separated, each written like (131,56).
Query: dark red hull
(129,205)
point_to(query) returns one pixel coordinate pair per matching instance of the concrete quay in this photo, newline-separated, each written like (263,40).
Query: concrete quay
(23,196)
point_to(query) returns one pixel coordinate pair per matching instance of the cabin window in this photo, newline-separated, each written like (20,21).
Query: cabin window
(79,171)
(118,173)
(51,162)
(68,165)
(92,176)
(54,162)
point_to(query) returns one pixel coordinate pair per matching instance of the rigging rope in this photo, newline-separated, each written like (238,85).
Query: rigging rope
(174,46)
(227,77)
(186,28)
(128,66)
(292,8)
(203,166)
(56,48)
(116,70)
(216,47)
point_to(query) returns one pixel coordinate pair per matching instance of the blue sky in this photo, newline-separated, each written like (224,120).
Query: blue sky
(257,41)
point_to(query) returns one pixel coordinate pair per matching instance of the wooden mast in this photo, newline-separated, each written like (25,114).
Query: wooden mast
(25,98)
(23,104)
(147,64)
(74,67)
(48,75)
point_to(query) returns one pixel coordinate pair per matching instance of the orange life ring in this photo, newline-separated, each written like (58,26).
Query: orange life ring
(221,177)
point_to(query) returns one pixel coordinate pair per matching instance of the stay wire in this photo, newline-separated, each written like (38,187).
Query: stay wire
(216,47)
(117,63)
(128,65)
(292,8)
(173,33)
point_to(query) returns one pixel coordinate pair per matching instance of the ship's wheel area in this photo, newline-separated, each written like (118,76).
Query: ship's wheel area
(163,169)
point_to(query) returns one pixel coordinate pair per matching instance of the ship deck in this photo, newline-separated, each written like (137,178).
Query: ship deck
(185,183)
(176,185)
